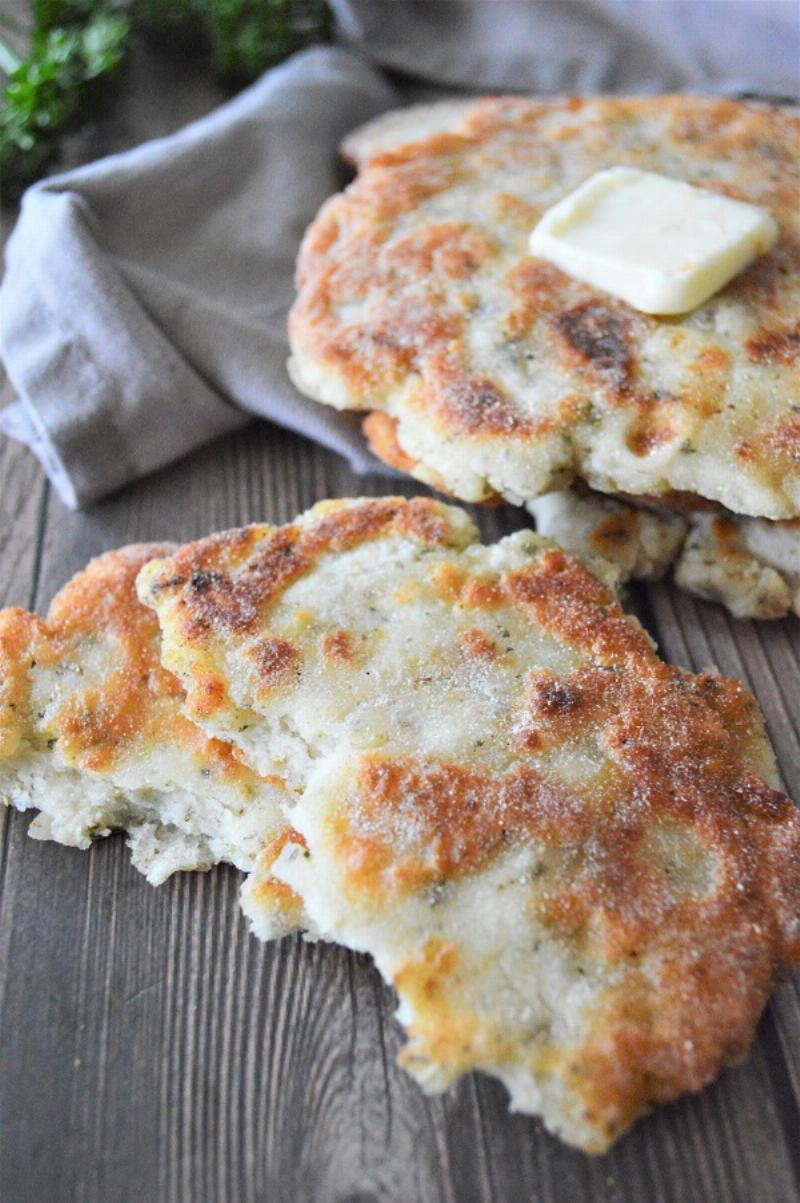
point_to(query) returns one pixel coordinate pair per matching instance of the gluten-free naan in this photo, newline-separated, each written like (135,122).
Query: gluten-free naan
(572,861)
(92,735)
(418,299)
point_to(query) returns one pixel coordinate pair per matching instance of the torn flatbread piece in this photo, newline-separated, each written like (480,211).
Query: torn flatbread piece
(749,565)
(572,861)
(93,736)
(600,941)
(616,540)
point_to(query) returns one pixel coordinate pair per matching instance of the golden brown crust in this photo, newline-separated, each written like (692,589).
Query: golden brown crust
(20,636)
(213,600)
(268,892)
(398,292)
(678,870)
(674,869)
(649,792)
(277,661)
(568,601)
(136,703)
(380,431)
(338,646)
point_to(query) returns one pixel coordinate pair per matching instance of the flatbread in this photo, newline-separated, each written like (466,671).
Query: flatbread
(572,861)
(92,735)
(616,540)
(417,298)
(749,565)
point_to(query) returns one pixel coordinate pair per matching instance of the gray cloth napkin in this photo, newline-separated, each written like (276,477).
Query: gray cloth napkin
(144,304)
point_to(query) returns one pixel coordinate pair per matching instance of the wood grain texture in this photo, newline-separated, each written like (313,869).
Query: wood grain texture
(153,1050)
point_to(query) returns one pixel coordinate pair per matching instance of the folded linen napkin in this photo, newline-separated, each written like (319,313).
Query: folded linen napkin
(144,304)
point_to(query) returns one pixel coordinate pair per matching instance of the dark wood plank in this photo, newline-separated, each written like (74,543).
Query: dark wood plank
(23,495)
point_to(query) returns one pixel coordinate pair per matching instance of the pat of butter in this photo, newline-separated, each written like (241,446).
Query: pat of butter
(660,244)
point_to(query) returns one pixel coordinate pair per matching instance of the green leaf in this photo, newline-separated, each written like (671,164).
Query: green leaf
(48,93)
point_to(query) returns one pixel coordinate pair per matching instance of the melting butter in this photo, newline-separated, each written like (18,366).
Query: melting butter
(660,244)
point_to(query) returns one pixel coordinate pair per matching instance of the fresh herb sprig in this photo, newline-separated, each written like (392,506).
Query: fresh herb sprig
(48,92)
(248,36)
(77,45)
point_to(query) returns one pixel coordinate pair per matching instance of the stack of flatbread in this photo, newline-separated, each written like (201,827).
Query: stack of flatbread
(490,374)
(572,861)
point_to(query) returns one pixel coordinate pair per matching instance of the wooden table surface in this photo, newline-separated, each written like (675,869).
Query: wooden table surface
(153,1052)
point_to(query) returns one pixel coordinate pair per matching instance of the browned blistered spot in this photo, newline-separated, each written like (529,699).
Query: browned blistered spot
(597,337)
(712,358)
(97,726)
(277,661)
(778,345)
(515,211)
(704,393)
(552,705)
(380,431)
(473,405)
(215,602)
(475,642)
(448,580)
(338,646)
(783,439)
(650,436)
(372,359)
(454,249)
(379,353)
(224,760)
(20,637)
(209,694)
(538,289)
(451,584)
(575,606)
(426,522)
(481,593)
(269,889)
(615,532)
(224,550)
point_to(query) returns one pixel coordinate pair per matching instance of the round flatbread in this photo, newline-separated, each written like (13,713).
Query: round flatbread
(417,297)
